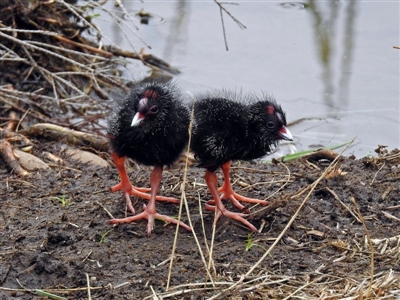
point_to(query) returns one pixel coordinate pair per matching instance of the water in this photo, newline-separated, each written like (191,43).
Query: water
(330,63)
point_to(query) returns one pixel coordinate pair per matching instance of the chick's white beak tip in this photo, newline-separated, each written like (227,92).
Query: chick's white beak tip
(285,134)
(137,119)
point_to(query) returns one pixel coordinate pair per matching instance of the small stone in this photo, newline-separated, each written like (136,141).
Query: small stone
(30,162)
(86,157)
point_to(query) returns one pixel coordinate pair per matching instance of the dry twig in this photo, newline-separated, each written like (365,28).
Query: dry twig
(10,159)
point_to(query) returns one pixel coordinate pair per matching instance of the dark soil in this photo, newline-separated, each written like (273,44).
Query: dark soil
(45,245)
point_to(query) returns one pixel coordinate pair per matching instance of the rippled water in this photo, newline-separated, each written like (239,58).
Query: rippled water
(330,64)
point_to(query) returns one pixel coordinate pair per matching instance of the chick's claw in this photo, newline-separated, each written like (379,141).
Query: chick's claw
(150,216)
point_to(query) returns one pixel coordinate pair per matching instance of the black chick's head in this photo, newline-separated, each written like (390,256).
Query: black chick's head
(267,126)
(151,124)
(147,107)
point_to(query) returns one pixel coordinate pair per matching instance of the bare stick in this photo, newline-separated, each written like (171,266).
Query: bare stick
(240,24)
(80,45)
(223,29)
(88,286)
(373,179)
(105,209)
(58,133)
(11,161)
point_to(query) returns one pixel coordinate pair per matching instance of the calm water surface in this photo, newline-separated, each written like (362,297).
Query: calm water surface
(330,64)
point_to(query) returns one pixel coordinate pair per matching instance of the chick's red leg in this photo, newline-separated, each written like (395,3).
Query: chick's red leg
(150,212)
(125,184)
(211,180)
(228,193)
(128,189)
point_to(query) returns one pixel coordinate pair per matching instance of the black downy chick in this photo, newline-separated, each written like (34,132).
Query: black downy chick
(229,127)
(151,127)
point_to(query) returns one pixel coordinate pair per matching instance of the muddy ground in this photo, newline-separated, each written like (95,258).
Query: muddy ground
(54,235)
(325,253)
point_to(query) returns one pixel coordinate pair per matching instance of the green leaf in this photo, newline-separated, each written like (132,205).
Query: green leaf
(306,152)
(249,243)
(52,296)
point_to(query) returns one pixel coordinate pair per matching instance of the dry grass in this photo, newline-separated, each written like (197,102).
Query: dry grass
(57,65)
(315,285)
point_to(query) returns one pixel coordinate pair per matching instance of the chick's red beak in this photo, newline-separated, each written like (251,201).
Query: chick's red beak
(285,134)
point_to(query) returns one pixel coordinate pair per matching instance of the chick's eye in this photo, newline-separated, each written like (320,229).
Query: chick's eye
(154,109)
(270,124)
